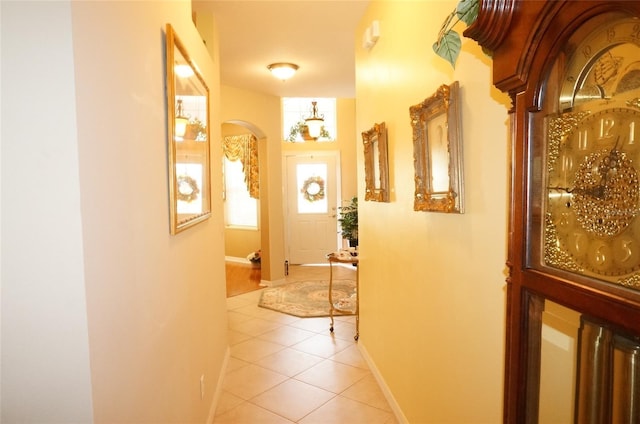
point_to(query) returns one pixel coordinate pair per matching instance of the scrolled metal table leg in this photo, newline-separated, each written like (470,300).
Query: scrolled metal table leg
(330,295)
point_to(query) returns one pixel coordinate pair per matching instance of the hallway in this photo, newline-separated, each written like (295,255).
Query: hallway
(285,369)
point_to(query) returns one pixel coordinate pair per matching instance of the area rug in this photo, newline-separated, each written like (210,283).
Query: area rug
(310,298)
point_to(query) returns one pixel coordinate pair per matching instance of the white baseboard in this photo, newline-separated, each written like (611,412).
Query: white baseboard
(219,385)
(237,260)
(395,408)
(274,283)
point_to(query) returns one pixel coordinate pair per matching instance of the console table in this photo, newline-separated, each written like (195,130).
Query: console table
(345,258)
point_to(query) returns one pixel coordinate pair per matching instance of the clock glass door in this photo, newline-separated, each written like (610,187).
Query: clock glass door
(584,228)
(592,159)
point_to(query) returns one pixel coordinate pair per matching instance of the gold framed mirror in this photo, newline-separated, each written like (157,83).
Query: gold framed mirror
(437,152)
(188,137)
(376,163)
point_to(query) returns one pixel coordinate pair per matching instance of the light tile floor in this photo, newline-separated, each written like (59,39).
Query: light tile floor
(285,369)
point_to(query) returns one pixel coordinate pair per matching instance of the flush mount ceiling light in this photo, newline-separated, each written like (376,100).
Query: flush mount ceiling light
(282,70)
(183,70)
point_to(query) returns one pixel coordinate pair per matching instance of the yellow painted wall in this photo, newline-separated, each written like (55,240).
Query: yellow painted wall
(260,113)
(240,242)
(112,319)
(431,284)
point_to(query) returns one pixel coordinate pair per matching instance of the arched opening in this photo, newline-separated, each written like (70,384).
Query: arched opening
(241,242)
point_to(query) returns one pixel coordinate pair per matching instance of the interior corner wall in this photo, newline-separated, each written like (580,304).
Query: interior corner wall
(106,317)
(432,285)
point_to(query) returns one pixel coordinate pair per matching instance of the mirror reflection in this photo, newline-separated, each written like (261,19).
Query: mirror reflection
(376,163)
(585,369)
(437,152)
(188,128)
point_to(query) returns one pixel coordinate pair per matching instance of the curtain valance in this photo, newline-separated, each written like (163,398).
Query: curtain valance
(245,149)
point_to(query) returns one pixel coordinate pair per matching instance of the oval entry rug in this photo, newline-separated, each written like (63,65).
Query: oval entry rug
(310,298)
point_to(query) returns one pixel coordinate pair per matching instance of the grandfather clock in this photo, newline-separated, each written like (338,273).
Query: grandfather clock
(572,70)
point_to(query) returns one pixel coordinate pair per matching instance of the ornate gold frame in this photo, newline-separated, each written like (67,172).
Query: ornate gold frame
(188,138)
(437,152)
(376,159)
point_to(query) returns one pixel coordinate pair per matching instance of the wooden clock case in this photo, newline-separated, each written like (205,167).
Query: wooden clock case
(526,38)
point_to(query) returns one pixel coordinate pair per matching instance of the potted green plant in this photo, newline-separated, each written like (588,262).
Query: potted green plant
(349,221)
(196,130)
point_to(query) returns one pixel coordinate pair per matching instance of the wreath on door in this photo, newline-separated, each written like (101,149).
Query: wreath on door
(187,188)
(313,189)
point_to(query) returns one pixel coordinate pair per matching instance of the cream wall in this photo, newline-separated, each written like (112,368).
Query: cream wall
(432,284)
(106,316)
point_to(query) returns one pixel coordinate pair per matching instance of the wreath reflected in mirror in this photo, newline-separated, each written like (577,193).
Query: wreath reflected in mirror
(187,189)
(313,189)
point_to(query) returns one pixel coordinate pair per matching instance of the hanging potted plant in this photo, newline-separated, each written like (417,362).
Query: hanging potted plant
(196,130)
(349,221)
(300,128)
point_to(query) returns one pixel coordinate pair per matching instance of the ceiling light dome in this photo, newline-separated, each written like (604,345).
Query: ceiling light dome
(283,71)
(183,70)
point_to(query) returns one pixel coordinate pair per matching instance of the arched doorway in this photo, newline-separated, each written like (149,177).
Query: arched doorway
(269,235)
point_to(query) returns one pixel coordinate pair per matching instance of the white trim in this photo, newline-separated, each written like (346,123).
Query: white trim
(395,408)
(241,228)
(266,283)
(218,392)
(237,260)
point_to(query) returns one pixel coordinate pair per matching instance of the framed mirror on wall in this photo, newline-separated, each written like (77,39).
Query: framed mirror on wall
(376,163)
(437,152)
(188,137)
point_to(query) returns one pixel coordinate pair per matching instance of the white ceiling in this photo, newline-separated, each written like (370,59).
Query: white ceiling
(318,36)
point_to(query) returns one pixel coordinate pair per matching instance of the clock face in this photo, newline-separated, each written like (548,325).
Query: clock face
(592,168)
(593,190)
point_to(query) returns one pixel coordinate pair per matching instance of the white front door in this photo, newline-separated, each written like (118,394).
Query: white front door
(311,197)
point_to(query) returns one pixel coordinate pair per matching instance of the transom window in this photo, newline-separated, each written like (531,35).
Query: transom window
(296,109)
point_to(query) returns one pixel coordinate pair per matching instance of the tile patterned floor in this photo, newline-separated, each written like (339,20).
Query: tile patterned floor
(285,369)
